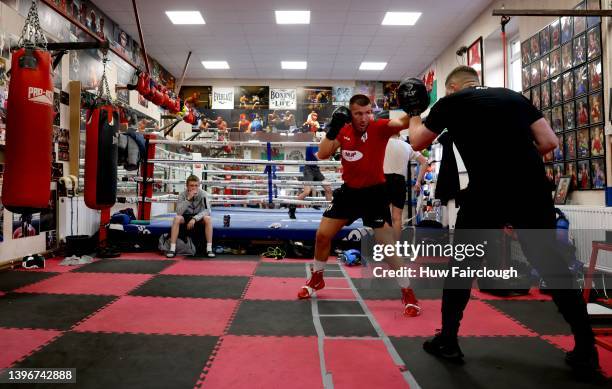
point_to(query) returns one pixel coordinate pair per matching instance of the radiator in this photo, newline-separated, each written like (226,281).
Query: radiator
(75,218)
(587,224)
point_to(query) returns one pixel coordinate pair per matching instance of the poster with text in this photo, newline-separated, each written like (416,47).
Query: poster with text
(222,98)
(283,98)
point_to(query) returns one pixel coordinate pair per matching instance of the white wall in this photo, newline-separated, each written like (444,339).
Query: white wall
(494,60)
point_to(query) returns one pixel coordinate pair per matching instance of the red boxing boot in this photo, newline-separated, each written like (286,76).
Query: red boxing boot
(411,304)
(315,283)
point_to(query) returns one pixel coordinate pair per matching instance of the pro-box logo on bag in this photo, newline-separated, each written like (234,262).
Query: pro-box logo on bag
(351,156)
(40,96)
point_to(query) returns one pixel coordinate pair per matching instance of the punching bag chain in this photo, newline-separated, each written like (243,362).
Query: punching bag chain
(32,34)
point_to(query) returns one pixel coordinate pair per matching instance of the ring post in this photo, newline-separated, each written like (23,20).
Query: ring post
(269,170)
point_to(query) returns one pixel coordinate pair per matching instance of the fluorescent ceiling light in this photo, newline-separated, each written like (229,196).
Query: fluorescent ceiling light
(185,17)
(401,18)
(294,65)
(373,65)
(292,17)
(215,64)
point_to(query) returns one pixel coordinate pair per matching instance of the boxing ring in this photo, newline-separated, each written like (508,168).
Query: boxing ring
(251,217)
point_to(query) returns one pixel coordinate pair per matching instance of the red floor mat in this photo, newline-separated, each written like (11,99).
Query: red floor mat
(265,362)
(162,315)
(88,283)
(479,320)
(212,268)
(370,367)
(17,343)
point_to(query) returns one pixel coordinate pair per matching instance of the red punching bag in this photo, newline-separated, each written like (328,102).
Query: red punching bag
(27,174)
(101,157)
(101,149)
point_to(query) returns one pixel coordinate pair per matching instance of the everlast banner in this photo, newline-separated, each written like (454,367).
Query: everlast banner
(222,98)
(283,98)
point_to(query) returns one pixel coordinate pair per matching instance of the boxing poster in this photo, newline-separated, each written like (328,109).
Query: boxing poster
(373,90)
(390,95)
(341,95)
(317,95)
(252,97)
(222,98)
(198,97)
(25,225)
(51,240)
(48,218)
(283,98)
(57,170)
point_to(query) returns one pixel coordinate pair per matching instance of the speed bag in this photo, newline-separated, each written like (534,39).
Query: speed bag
(101,157)
(27,158)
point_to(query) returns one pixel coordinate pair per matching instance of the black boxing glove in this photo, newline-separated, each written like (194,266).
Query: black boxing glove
(340,117)
(412,96)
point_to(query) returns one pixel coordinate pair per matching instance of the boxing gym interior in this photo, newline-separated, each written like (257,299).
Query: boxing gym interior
(305,194)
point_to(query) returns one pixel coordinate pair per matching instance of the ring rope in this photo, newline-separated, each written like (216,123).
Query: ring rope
(230,143)
(238,161)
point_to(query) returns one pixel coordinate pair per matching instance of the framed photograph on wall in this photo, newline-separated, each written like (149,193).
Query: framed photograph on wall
(555,34)
(579,21)
(545,94)
(594,75)
(570,170)
(593,43)
(596,108)
(580,80)
(580,52)
(562,190)
(598,174)
(475,60)
(545,67)
(584,176)
(535,97)
(583,148)
(545,40)
(582,112)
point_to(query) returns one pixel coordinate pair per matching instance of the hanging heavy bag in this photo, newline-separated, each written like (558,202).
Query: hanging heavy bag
(177,105)
(101,150)
(27,174)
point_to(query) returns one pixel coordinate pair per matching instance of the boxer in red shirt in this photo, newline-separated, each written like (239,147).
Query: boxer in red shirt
(363,142)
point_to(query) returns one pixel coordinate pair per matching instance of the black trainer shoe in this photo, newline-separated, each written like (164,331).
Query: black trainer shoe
(444,347)
(170,254)
(585,364)
(292,212)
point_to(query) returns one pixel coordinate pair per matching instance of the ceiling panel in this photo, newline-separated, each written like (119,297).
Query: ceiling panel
(342,33)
